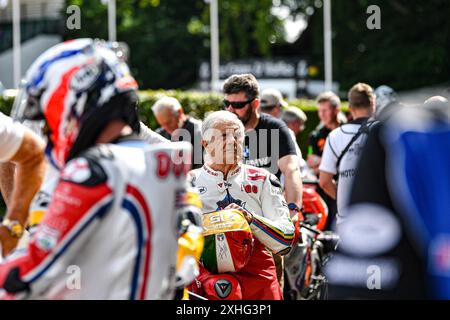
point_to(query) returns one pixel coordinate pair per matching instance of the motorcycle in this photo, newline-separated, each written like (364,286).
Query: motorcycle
(304,264)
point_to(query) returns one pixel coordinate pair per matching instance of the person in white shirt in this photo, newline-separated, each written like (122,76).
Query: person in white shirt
(343,146)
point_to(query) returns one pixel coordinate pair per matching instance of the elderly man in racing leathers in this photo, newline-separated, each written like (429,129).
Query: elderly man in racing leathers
(224,182)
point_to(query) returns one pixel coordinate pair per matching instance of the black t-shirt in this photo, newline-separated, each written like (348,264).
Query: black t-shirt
(318,138)
(267,143)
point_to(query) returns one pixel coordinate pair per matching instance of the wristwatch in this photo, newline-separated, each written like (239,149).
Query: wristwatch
(14,227)
(293,206)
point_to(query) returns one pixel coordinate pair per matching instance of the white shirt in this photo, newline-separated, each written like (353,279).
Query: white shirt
(11,136)
(336,142)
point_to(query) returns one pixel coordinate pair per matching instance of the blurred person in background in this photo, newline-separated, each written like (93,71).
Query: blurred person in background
(22,168)
(225,182)
(328,110)
(343,146)
(395,241)
(295,119)
(386,100)
(272,102)
(177,126)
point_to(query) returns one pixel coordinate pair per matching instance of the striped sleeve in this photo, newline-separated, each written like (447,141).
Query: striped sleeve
(274,227)
(276,236)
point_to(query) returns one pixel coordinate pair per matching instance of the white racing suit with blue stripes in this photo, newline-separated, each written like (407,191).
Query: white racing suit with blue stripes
(111,227)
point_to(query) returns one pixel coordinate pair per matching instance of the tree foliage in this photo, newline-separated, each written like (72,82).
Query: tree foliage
(169,38)
(410,50)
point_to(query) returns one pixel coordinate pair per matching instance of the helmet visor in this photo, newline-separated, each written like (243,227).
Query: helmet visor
(26,106)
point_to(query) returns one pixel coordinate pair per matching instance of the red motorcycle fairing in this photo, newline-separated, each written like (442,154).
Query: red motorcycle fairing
(314,204)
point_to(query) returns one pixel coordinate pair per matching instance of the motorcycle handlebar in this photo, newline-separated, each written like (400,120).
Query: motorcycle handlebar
(309,228)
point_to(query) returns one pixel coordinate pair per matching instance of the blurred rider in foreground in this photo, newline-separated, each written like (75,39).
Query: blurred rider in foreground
(106,216)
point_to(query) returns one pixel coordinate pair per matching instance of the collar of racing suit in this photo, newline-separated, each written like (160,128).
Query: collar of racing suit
(219,174)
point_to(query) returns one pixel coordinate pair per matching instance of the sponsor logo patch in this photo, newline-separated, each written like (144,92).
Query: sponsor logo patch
(223,288)
(47,238)
(85,77)
(77,171)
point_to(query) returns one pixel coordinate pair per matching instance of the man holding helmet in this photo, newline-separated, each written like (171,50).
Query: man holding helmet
(106,211)
(224,182)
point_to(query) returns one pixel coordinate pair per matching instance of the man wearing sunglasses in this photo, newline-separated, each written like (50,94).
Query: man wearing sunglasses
(268,143)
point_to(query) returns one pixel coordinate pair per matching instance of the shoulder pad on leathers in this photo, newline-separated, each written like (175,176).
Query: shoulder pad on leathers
(87,169)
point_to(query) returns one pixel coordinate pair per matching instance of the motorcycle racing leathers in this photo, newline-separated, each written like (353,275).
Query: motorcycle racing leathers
(111,227)
(39,205)
(259,192)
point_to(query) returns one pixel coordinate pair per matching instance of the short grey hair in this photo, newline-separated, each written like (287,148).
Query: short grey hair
(330,97)
(294,114)
(217,117)
(166,103)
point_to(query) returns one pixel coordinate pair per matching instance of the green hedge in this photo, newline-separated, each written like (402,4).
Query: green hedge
(194,103)
(198,104)
(6,104)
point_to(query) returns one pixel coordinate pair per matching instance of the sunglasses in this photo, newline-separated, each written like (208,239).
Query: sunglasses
(236,104)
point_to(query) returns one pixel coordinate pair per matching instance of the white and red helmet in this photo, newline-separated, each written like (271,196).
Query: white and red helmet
(77,86)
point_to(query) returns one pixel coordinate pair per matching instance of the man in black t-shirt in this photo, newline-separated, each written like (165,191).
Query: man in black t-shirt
(268,143)
(317,139)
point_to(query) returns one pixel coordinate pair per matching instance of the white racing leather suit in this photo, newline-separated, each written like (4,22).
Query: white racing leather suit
(112,222)
(39,204)
(259,192)
(254,189)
